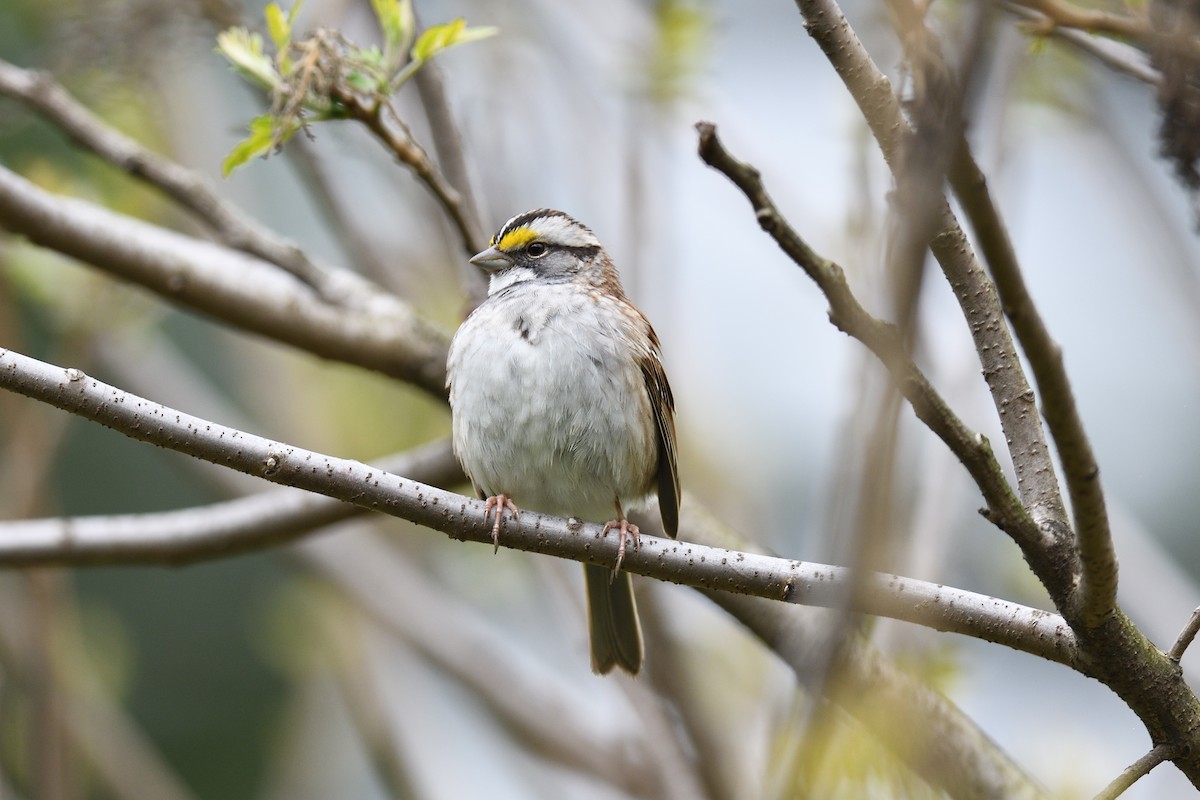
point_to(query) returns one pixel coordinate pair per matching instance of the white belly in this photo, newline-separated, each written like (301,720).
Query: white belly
(559,426)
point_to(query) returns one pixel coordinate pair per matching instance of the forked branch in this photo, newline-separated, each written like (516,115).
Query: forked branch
(1098,560)
(882,339)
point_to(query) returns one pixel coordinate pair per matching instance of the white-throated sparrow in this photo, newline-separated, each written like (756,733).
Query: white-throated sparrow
(561,405)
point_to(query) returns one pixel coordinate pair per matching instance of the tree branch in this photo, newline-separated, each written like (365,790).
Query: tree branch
(220,530)
(39,92)
(1113,54)
(1061,13)
(1037,483)
(971,448)
(1116,652)
(381,119)
(385,335)
(1136,771)
(1185,638)
(1097,596)
(195,534)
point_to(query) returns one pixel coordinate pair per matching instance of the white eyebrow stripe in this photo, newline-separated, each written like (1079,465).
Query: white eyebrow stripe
(564,231)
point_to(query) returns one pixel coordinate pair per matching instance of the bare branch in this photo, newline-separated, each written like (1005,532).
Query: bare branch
(1113,54)
(971,448)
(381,119)
(219,530)
(39,92)
(1014,400)
(1063,14)
(1097,557)
(1117,652)
(1184,641)
(341,219)
(1136,771)
(447,143)
(386,335)
(697,565)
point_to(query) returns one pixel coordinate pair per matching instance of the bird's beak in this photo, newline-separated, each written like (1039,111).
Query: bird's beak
(492,260)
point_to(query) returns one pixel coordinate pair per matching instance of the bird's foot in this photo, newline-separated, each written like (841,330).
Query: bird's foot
(625,530)
(498,502)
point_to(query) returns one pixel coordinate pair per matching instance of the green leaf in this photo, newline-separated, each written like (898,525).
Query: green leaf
(361,82)
(397,23)
(278,26)
(370,56)
(244,50)
(437,38)
(258,143)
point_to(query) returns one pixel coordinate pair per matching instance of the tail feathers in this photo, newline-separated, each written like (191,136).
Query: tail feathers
(613,623)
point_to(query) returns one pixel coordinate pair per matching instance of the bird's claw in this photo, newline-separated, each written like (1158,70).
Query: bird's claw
(625,530)
(498,502)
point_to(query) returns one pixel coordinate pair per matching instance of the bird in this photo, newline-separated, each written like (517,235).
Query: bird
(560,404)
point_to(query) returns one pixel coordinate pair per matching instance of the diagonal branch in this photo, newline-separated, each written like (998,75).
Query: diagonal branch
(386,335)
(196,534)
(1116,651)
(41,93)
(1097,557)
(1037,483)
(1113,54)
(1136,771)
(1061,13)
(381,119)
(971,448)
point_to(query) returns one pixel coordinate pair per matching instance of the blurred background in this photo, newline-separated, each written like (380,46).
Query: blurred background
(350,665)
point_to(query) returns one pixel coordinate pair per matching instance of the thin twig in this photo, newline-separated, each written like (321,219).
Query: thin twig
(1062,14)
(464,518)
(537,704)
(1136,771)
(381,119)
(1116,55)
(387,335)
(940,103)
(1119,653)
(971,448)
(1184,640)
(447,144)
(41,93)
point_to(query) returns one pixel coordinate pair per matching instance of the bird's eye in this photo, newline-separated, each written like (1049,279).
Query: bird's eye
(537,249)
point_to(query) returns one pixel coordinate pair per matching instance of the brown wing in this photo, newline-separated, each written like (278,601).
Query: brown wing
(662,403)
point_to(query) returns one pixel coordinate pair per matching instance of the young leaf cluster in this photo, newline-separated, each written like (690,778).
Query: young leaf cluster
(304,72)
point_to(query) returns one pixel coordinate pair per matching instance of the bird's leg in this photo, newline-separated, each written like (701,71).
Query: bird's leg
(499,502)
(625,530)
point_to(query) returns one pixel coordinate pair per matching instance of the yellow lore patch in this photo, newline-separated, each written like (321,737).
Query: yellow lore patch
(518,237)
